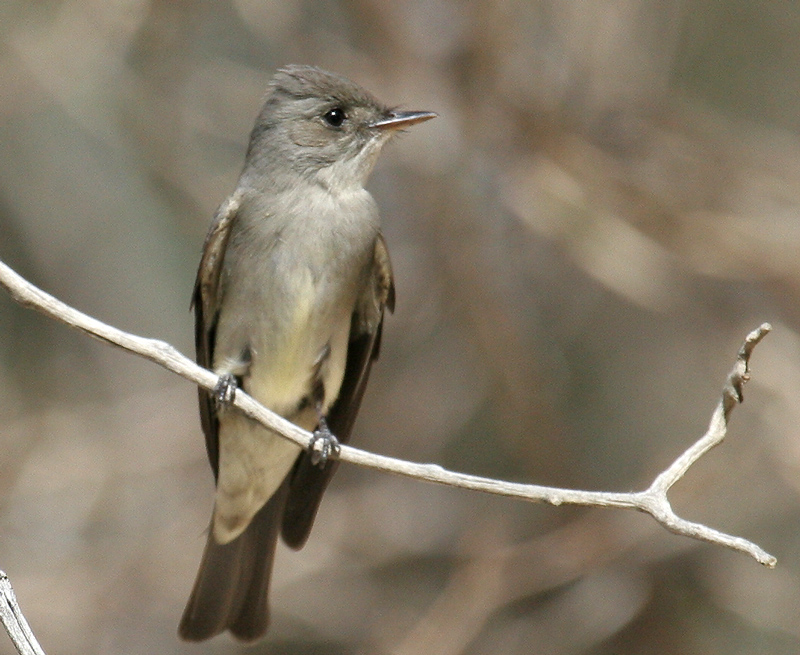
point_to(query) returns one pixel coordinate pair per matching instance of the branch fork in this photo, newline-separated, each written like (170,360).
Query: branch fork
(653,501)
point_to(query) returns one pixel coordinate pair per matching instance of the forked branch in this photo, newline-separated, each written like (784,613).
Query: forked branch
(653,500)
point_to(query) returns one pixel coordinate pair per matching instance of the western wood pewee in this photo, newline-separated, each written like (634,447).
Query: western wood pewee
(288,302)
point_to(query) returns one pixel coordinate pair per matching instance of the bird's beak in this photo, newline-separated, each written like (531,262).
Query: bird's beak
(396,120)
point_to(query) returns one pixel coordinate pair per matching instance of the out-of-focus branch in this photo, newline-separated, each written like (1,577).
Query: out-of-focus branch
(653,500)
(14,621)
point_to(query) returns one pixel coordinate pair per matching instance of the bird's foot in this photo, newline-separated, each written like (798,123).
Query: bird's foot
(323,444)
(225,390)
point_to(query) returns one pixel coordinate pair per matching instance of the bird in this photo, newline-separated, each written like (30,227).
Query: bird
(289,299)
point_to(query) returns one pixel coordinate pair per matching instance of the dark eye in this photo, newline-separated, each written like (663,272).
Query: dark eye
(334,117)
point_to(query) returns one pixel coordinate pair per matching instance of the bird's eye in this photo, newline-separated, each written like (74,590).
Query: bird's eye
(334,117)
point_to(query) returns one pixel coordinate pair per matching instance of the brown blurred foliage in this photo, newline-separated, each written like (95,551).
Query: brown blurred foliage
(608,203)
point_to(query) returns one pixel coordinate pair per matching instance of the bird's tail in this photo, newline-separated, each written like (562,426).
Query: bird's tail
(232,585)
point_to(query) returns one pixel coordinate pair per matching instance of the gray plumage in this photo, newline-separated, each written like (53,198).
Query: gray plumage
(289,299)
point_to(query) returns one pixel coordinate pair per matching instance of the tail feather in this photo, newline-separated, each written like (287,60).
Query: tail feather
(232,585)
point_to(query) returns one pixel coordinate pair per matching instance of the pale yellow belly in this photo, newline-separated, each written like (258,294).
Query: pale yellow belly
(254,461)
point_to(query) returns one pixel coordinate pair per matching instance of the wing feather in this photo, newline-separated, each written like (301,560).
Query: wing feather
(206,301)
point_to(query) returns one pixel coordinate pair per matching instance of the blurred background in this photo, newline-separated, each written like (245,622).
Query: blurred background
(608,203)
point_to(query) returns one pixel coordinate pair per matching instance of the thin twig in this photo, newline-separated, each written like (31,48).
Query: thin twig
(14,621)
(653,500)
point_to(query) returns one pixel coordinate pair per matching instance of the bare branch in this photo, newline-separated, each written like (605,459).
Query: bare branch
(14,621)
(653,500)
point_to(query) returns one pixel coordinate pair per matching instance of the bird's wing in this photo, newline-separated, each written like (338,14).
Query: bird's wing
(206,301)
(308,481)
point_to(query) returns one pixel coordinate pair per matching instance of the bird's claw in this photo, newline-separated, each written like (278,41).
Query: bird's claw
(323,444)
(225,390)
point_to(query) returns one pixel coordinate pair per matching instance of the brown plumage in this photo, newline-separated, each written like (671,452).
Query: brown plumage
(289,299)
